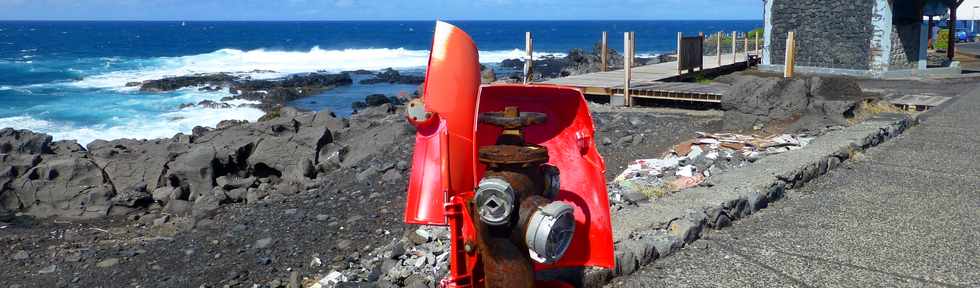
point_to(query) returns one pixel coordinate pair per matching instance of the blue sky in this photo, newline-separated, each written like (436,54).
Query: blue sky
(379,9)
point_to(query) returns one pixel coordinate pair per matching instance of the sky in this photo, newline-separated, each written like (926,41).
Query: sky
(380,9)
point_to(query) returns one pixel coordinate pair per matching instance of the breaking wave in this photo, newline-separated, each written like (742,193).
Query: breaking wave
(142,127)
(262,63)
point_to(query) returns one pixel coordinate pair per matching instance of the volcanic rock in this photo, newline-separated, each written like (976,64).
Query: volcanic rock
(392,76)
(818,102)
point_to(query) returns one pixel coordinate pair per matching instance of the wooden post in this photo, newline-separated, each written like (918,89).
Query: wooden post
(734,47)
(757,52)
(605,51)
(627,66)
(529,62)
(701,36)
(746,48)
(632,49)
(680,53)
(790,55)
(719,36)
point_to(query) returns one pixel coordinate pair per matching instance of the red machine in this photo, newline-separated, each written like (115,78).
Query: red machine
(511,169)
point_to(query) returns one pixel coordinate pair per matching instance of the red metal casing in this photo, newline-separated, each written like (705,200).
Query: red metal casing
(569,136)
(444,158)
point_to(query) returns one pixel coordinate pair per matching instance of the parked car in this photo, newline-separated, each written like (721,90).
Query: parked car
(962,35)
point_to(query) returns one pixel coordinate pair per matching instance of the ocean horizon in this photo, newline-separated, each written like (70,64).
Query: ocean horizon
(68,78)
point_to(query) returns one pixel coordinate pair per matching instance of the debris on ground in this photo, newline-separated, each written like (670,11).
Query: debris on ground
(690,163)
(420,257)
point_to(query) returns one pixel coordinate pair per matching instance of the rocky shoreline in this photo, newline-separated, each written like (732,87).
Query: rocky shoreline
(227,206)
(272,94)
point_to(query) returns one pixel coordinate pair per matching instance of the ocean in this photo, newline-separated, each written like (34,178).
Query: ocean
(68,78)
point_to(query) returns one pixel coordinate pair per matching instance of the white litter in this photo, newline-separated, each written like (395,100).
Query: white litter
(686,171)
(316,262)
(712,155)
(695,152)
(331,280)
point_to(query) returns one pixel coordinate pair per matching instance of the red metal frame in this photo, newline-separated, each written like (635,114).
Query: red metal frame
(445,170)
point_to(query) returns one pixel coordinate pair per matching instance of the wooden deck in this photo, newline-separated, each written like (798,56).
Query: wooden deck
(652,81)
(678,91)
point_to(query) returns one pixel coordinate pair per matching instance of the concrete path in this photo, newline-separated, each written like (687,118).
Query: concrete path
(972,48)
(906,214)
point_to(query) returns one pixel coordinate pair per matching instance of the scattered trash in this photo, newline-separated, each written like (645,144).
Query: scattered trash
(331,280)
(316,262)
(688,182)
(686,171)
(691,162)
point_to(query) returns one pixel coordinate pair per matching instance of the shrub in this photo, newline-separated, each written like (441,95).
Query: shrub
(942,41)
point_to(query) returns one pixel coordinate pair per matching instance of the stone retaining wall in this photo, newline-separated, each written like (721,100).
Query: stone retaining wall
(654,230)
(829,33)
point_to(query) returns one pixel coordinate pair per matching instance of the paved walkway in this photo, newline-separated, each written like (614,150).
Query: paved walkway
(905,215)
(972,48)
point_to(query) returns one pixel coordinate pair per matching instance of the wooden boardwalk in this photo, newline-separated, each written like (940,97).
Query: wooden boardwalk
(653,81)
(678,91)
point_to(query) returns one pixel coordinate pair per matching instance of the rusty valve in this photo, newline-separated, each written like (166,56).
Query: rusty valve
(515,201)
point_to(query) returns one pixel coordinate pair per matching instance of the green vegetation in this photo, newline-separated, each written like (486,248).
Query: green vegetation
(658,191)
(726,38)
(270,116)
(701,79)
(942,41)
(760,31)
(870,108)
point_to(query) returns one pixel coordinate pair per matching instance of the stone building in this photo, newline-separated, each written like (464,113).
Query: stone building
(871,38)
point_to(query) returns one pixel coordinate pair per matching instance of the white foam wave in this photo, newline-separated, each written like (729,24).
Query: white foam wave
(5,88)
(263,63)
(160,126)
(498,56)
(648,55)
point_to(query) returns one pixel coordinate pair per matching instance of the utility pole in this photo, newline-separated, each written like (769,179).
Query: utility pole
(951,47)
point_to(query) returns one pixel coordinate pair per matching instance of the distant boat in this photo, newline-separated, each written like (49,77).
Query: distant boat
(182,24)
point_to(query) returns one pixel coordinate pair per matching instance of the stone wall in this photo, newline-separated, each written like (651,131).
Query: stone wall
(905,46)
(829,33)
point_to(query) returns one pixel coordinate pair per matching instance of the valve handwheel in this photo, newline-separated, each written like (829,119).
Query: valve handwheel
(511,118)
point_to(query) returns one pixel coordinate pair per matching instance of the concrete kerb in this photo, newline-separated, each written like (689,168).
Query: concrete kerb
(658,229)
